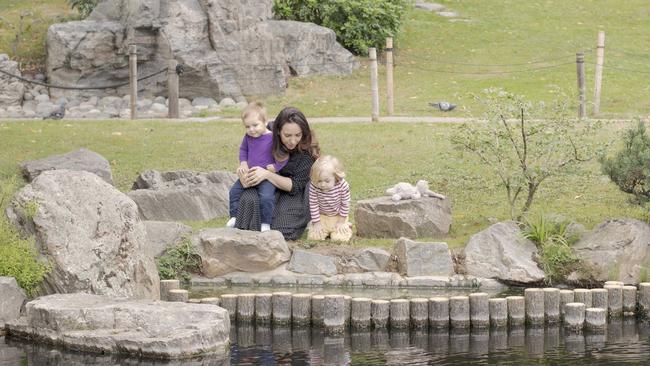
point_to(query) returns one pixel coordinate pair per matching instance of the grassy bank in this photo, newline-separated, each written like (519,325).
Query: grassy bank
(376,157)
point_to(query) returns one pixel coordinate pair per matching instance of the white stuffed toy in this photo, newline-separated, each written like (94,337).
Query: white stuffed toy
(405,191)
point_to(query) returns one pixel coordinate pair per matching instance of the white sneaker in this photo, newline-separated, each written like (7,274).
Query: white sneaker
(231,222)
(265,227)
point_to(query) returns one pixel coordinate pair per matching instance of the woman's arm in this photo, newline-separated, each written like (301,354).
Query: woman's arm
(257,175)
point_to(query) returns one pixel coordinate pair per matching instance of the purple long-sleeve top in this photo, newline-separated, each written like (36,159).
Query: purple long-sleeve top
(256,151)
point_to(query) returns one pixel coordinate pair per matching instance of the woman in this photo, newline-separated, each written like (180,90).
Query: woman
(294,141)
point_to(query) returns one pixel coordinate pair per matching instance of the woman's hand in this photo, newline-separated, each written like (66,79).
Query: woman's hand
(255,176)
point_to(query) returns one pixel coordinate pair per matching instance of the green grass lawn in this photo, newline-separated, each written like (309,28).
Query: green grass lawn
(376,157)
(540,38)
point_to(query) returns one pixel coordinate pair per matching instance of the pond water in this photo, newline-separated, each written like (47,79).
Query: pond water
(624,342)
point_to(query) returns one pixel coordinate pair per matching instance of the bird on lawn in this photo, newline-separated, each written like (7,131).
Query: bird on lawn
(58,113)
(443,106)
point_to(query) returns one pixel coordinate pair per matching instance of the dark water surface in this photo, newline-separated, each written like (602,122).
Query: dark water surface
(624,342)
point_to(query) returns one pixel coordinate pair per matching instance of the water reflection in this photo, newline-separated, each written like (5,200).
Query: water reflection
(623,341)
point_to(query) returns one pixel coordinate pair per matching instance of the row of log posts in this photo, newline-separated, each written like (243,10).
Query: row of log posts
(172,85)
(576,309)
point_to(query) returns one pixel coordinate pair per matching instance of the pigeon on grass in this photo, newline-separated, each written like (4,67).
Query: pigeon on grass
(58,113)
(443,106)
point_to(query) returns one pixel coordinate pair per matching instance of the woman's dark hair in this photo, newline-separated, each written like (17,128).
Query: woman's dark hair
(308,142)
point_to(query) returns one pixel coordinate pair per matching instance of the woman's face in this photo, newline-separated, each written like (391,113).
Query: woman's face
(290,135)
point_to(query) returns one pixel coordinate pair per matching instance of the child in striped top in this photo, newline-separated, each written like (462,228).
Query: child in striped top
(329,201)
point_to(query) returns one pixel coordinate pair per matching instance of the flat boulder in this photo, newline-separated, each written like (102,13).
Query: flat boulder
(615,250)
(165,234)
(384,218)
(501,252)
(142,328)
(226,250)
(12,300)
(82,159)
(372,259)
(89,232)
(182,195)
(303,261)
(423,259)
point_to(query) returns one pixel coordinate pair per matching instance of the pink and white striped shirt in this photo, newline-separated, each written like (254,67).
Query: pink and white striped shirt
(334,202)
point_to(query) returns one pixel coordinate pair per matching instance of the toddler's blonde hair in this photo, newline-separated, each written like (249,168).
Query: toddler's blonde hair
(327,163)
(254,109)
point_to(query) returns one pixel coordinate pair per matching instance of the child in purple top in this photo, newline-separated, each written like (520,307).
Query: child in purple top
(255,150)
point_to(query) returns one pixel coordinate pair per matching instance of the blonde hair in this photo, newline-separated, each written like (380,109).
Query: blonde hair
(254,109)
(327,163)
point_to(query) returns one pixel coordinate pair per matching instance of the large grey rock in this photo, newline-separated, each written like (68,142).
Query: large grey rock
(616,250)
(164,234)
(11,89)
(501,252)
(383,217)
(423,259)
(372,259)
(143,328)
(182,195)
(12,300)
(227,250)
(230,48)
(312,263)
(89,232)
(82,159)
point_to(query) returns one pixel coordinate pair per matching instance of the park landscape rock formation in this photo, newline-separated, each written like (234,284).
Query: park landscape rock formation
(228,48)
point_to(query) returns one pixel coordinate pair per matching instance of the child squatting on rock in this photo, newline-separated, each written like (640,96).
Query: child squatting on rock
(329,201)
(255,150)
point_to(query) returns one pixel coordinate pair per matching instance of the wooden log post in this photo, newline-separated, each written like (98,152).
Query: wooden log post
(629,300)
(281,308)
(596,319)
(245,308)
(498,312)
(229,302)
(133,79)
(566,296)
(374,84)
(599,297)
(459,317)
(172,85)
(583,295)
(360,313)
(580,68)
(210,301)
(178,295)
(598,80)
(534,306)
(301,309)
(380,313)
(390,96)
(419,313)
(439,312)
(317,310)
(166,286)
(334,315)
(614,300)
(400,317)
(552,305)
(644,300)
(574,316)
(479,310)
(516,311)
(263,308)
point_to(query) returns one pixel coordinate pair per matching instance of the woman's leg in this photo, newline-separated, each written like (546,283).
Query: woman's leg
(235,194)
(266,191)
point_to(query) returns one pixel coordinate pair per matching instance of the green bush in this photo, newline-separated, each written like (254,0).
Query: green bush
(84,7)
(18,257)
(630,168)
(553,240)
(358,24)
(178,263)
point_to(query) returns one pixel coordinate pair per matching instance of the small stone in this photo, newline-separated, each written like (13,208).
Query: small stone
(42,98)
(227,103)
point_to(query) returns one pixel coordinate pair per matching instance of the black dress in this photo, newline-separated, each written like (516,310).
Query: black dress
(291,213)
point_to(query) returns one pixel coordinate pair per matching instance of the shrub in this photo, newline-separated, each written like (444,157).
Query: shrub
(553,240)
(525,143)
(178,263)
(18,256)
(630,168)
(84,7)
(358,24)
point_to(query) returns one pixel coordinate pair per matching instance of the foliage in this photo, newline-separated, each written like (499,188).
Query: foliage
(525,143)
(84,7)
(630,168)
(18,257)
(179,262)
(554,240)
(358,24)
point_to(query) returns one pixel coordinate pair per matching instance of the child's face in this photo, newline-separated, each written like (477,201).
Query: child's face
(254,127)
(326,181)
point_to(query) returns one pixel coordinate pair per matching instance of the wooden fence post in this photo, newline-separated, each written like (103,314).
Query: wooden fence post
(600,60)
(374,85)
(580,66)
(172,84)
(133,79)
(389,76)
